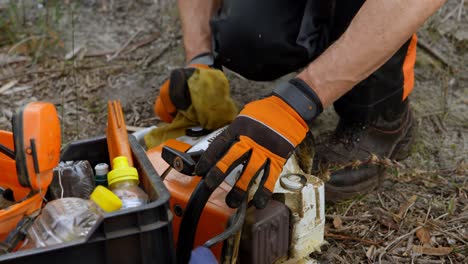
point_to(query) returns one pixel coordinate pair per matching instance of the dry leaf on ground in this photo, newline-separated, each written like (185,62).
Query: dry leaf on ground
(404,207)
(385,218)
(424,236)
(337,222)
(432,251)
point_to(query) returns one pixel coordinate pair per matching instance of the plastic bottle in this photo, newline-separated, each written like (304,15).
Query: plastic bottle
(63,220)
(123,181)
(67,219)
(101,170)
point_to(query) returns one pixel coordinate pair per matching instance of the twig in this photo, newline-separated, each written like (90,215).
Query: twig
(397,240)
(460,10)
(452,235)
(24,41)
(449,15)
(26,73)
(124,46)
(7,60)
(150,59)
(408,260)
(381,202)
(134,128)
(344,237)
(144,42)
(154,118)
(349,207)
(409,245)
(8,86)
(350,218)
(433,52)
(428,211)
(133,47)
(97,67)
(463,217)
(441,216)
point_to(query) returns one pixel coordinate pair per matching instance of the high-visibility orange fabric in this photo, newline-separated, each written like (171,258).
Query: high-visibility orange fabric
(272,113)
(164,107)
(257,160)
(280,118)
(408,67)
(199,66)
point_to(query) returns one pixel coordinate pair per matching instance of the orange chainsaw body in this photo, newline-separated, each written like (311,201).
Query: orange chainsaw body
(216,214)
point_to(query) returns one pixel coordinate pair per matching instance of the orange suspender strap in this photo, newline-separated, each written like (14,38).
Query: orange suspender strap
(408,67)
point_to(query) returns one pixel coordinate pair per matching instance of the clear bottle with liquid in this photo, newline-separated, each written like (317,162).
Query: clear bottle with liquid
(63,220)
(123,181)
(71,218)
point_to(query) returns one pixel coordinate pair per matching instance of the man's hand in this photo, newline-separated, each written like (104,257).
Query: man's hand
(174,93)
(262,137)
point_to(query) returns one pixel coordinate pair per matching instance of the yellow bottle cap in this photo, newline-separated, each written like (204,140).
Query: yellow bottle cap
(107,200)
(121,171)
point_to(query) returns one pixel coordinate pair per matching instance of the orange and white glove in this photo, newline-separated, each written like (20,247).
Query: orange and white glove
(174,93)
(262,137)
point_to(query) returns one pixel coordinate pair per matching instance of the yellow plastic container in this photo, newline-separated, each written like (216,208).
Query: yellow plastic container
(122,171)
(123,182)
(107,200)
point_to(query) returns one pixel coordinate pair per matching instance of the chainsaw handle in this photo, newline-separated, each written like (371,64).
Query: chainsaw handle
(182,162)
(189,223)
(238,221)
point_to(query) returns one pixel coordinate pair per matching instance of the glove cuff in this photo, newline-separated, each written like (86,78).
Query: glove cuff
(205,58)
(300,96)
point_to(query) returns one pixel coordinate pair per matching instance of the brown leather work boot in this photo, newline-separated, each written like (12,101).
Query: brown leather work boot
(354,141)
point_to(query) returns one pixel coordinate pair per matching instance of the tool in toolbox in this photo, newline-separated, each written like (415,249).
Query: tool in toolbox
(116,131)
(27,158)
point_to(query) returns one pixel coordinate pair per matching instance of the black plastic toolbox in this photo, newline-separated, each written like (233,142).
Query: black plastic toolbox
(137,235)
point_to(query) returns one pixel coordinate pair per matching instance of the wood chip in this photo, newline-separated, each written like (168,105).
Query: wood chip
(18,89)
(337,222)
(345,237)
(74,52)
(370,253)
(424,236)
(6,59)
(8,86)
(385,218)
(432,251)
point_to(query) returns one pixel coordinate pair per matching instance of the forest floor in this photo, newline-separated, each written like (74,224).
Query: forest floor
(125,50)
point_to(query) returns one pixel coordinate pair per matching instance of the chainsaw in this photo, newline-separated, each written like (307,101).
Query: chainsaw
(288,230)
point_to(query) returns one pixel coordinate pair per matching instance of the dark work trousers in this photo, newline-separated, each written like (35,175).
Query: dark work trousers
(265,39)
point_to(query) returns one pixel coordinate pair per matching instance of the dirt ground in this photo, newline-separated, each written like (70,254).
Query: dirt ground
(125,50)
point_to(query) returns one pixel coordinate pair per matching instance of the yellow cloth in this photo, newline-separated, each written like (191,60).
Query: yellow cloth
(212,107)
